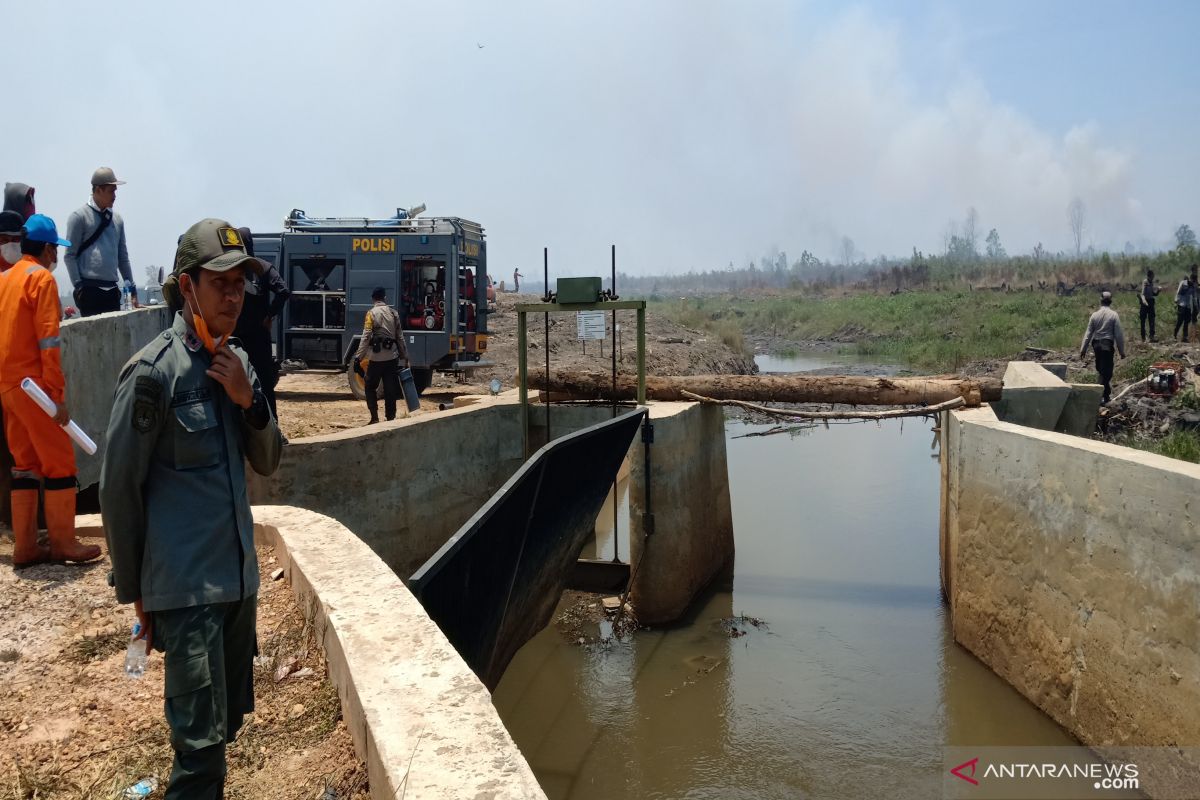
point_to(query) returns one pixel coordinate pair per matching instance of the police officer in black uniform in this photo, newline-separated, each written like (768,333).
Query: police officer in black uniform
(266,295)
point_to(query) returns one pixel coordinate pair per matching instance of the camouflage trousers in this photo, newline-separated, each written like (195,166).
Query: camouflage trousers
(208,689)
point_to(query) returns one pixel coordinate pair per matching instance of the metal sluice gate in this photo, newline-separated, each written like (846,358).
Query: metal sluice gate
(496,582)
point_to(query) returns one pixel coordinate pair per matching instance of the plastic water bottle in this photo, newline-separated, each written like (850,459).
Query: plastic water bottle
(135,654)
(143,788)
(125,296)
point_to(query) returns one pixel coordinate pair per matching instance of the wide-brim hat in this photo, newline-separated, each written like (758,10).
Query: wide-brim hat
(214,245)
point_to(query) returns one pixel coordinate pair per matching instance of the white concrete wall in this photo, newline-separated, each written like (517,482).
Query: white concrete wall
(1073,571)
(420,719)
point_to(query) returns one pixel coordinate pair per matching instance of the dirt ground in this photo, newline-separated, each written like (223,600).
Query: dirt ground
(316,402)
(671,349)
(73,726)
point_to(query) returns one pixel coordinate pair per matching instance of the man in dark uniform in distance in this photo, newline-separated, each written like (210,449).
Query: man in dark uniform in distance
(259,313)
(1146,302)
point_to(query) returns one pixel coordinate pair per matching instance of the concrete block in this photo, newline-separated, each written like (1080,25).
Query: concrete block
(1081,410)
(1029,375)
(1033,396)
(1056,368)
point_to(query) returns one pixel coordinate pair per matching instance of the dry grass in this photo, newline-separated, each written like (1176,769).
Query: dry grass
(84,651)
(91,775)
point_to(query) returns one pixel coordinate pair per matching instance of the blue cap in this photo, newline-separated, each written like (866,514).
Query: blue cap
(40,228)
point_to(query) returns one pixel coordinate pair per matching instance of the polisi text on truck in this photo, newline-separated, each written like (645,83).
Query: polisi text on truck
(373,244)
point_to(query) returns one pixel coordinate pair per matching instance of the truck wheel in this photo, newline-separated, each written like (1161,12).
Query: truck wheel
(421,377)
(358,383)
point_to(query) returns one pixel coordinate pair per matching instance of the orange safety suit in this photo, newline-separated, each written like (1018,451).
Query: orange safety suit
(29,348)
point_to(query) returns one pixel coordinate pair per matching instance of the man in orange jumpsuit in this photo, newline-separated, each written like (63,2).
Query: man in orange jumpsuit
(29,348)
(12,226)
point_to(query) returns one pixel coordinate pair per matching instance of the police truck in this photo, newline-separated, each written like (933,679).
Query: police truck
(434,270)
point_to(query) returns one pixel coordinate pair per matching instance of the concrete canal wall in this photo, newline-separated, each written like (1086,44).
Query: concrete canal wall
(1072,569)
(403,487)
(421,721)
(692,536)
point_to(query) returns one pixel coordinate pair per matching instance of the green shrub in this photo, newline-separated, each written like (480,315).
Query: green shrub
(1187,399)
(935,330)
(1184,445)
(1133,369)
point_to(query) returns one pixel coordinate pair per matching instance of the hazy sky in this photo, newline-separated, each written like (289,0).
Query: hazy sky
(690,134)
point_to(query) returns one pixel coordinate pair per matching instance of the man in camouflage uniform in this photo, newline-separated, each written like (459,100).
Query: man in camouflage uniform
(188,412)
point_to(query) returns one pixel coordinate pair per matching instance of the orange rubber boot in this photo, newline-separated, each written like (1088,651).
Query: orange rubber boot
(26,550)
(60,521)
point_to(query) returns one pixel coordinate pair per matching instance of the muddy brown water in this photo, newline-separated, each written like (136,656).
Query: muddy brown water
(851,688)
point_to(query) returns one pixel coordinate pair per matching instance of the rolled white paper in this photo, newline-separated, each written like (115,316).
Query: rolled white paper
(74,431)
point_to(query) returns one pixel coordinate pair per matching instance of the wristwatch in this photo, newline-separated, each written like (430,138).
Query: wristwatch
(259,413)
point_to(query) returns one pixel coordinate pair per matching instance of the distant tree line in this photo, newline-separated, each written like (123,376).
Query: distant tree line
(961,263)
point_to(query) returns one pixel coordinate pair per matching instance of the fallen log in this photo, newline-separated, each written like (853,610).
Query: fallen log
(843,389)
(795,414)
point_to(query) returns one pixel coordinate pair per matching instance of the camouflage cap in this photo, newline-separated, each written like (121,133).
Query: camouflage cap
(215,245)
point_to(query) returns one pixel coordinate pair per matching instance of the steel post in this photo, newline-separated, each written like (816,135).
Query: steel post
(641,354)
(523,382)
